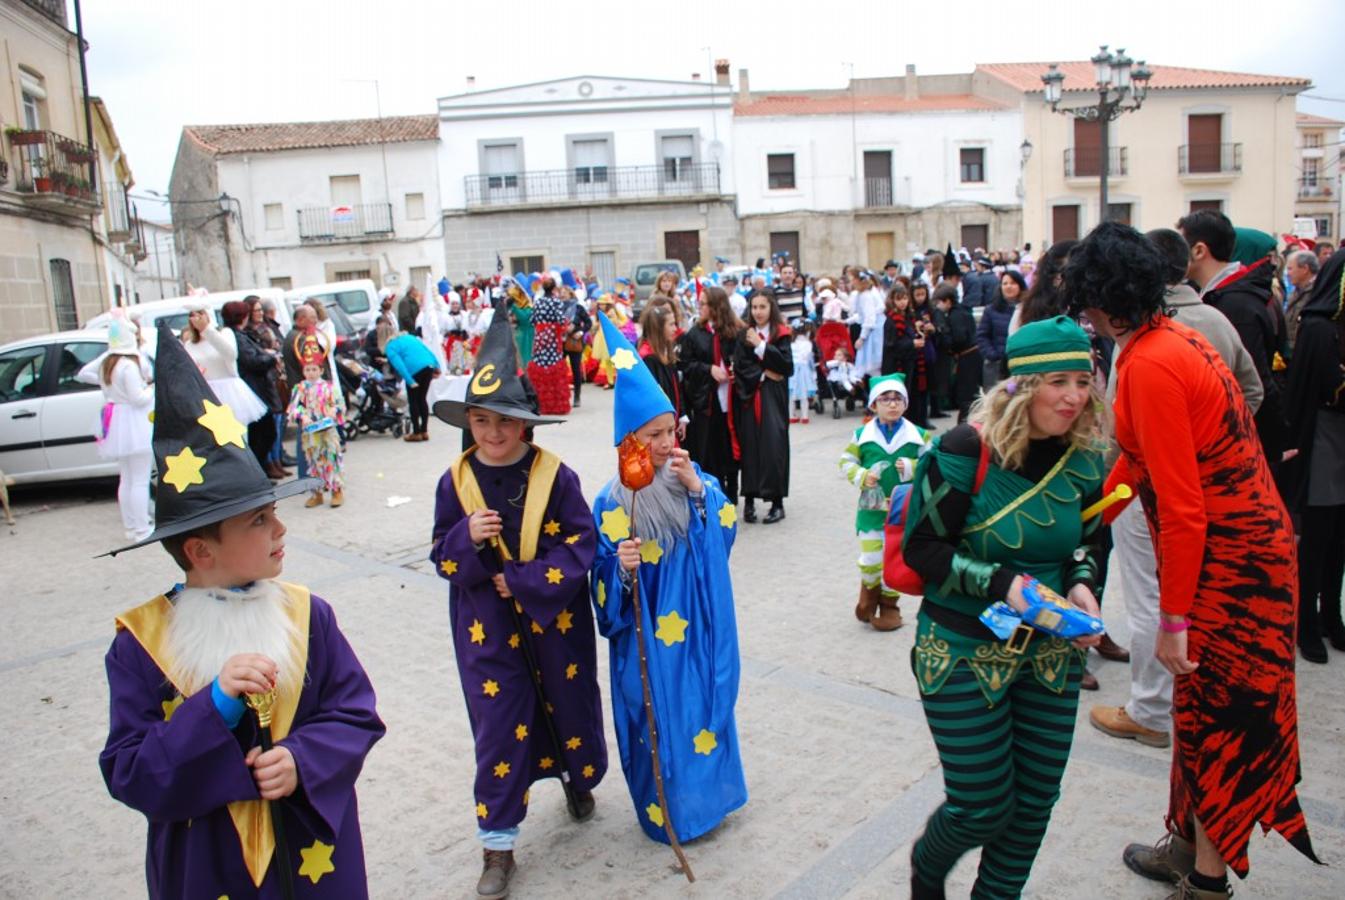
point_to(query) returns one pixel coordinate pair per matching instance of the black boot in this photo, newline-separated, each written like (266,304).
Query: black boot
(1312,648)
(776,514)
(750,510)
(1335,633)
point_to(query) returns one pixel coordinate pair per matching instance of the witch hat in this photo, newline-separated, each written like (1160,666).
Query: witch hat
(638,395)
(495,384)
(950,267)
(206,472)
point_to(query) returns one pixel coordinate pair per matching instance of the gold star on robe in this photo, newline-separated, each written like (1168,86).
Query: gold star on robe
(521,732)
(513,641)
(481,811)
(527,795)
(615,524)
(478,632)
(545,763)
(672,629)
(501,769)
(571,670)
(564,621)
(623,359)
(184,470)
(554,575)
(317,861)
(170,707)
(573,539)
(602,594)
(490,687)
(588,771)
(705,742)
(537,629)
(728,514)
(551,528)
(448,567)
(223,424)
(655,814)
(573,743)
(650,551)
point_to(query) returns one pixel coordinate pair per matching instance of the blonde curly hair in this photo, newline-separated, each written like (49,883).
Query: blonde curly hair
(1003,418)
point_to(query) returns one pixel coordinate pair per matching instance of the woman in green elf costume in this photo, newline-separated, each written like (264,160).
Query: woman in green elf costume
(1002,712)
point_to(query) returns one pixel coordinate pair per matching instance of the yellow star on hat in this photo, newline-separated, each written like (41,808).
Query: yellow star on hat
(184,469)
(223,424)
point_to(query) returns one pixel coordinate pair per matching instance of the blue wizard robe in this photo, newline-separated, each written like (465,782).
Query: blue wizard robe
(691,639)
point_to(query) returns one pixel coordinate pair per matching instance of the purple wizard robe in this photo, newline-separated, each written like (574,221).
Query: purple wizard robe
(176,761)
(513,747)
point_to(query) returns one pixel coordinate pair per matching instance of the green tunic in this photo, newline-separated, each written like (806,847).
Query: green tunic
(523,333)
(1032,528)
(868,448)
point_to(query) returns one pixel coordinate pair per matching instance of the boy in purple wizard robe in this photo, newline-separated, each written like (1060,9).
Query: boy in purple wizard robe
(227,818)
(514,538)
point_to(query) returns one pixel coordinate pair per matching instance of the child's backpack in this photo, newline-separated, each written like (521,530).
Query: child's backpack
(896,573)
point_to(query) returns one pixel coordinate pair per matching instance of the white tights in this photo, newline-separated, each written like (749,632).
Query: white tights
(133,492)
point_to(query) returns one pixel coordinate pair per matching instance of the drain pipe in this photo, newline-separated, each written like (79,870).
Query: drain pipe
(84,83)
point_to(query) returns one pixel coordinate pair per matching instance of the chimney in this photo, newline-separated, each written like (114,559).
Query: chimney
(695,76)
(722,72)
(471,82)
(744,92)
(911,83)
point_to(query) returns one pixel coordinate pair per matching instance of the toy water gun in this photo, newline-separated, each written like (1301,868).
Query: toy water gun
(320,425)
(1046,611)
(1119,493)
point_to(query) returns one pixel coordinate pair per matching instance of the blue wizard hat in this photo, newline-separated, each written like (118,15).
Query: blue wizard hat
(567,278)
(638,396)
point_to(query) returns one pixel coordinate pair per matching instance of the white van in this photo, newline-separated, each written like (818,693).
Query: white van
(173,310)
(358,299)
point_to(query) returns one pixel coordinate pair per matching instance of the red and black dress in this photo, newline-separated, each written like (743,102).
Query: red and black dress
(761,384)
(1226,562)
(548,371)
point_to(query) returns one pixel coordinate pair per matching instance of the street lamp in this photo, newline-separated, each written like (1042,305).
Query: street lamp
(1121,84)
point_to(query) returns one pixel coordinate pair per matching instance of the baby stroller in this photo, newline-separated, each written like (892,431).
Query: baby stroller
(377,402)
(830,337)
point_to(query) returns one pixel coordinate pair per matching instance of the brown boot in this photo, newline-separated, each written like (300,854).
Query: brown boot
(338,498)
(496,870)
(1109,649)
(889,617)
(273,471)
(868,602)
(1171,859)
(314,499)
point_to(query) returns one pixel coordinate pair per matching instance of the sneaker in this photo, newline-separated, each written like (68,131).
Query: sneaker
(497,867)
(1171,859)
(1115,721)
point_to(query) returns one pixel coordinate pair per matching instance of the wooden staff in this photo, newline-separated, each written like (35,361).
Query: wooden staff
(261,706)
(649,711)
(525,644)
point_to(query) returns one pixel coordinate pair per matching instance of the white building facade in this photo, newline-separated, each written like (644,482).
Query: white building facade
(592,172)
(1319,183)
(291,204)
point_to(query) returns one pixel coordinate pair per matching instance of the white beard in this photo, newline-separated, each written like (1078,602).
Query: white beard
(209,625)
(662,512)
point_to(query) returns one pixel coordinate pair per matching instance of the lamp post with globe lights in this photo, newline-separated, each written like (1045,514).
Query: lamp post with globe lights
(1121,85)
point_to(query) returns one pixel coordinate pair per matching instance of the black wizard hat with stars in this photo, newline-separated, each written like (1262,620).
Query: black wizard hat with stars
(495,384)
(206,472)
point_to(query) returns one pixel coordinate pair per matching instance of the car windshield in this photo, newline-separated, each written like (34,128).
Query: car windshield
(645,275)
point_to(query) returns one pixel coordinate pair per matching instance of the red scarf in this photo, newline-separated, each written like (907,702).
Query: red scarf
(718,360)
(903,325)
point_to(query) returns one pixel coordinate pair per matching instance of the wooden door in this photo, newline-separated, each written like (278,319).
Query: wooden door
(1087,148)
(1064,223)
(1204,138)
(787,241)
(881,245)
(974,236)
(683,245)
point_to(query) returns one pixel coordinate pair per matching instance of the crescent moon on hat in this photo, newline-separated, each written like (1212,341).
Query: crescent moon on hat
(485,382)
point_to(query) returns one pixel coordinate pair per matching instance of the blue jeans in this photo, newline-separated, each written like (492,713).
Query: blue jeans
(299,454)
(278,448)
(501,839)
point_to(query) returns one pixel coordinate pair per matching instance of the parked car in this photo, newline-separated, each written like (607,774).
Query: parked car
(645,274)
(47,418)
(173,311)
(358,299)
(348,335)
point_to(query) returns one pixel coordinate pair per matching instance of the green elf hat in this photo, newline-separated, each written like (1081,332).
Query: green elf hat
(885,383)
(1051,345)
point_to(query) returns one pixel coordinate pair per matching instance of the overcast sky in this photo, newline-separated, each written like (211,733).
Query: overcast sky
(163,64)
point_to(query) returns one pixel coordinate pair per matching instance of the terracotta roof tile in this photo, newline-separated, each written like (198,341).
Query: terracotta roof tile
(1079,77)
(844,104)
(225,139)
(1309,119)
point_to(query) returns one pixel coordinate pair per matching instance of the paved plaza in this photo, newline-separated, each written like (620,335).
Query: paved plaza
(840,766)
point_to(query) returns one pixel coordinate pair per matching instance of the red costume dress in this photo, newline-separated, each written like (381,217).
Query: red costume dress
(548,371)
(1226,561)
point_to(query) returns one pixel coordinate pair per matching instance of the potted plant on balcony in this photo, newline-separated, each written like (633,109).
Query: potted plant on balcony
(77,153)
(22,137)
(41,181)
(58,182)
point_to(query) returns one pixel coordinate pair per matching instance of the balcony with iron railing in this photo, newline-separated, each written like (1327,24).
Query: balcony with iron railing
(52,171)
(337,224)
(1086,162)
(1315,189)
(591,184)
(1209,161)
(117,213)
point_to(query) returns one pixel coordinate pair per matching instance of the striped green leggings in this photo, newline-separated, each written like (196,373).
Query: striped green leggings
(1002,766)
(871,562)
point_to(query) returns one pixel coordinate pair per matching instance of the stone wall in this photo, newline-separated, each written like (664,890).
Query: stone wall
(27,246)
(199,229)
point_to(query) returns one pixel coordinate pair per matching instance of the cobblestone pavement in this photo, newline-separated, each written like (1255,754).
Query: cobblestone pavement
(840,766)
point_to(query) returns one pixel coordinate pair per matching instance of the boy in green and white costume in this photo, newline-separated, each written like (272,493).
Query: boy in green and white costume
(880,455)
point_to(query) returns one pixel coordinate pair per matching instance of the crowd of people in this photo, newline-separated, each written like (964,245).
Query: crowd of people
(1171,403)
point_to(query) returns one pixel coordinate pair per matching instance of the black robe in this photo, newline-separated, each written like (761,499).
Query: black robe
(710,439)
(666,376)
(761,412)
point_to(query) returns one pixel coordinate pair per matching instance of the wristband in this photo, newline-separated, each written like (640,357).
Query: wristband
(1173,627)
